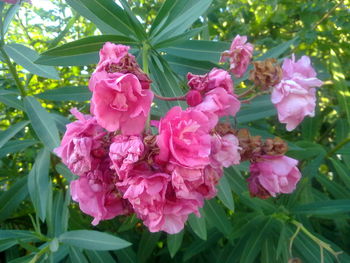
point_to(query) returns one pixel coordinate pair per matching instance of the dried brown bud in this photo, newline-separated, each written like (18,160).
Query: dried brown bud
(224,128)
(274,146)
(266,73)
(150,141)
(251,145)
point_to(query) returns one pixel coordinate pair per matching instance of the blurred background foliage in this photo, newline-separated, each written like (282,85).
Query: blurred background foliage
(311,224)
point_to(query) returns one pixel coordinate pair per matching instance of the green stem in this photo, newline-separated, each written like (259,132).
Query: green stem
(323,245)
(145,49)
(338,147)
(40,253)
(13,72)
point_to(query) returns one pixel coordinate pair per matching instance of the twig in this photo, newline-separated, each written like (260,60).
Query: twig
(326,15)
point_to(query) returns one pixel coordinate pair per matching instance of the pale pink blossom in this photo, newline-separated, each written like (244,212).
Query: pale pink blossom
(300,72)
(273,175)
(184,137)
(82,145)
(98,196)
(219,102)
(295,96)
(124,152)
(239,55)
(293,103)
(225,151)
(119,103)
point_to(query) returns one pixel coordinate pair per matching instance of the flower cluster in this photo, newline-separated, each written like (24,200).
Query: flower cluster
(124,168)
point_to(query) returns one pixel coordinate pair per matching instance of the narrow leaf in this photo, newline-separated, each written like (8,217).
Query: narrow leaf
(42,123)
(147,245)
(216,216)
(6,135)
(174,242)
(198,225)
(15,146)
(94,240)
(324,208)
(39,183)
(225,193)
(25,57)
(79,93)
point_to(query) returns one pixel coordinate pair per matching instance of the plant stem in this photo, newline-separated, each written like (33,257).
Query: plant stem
(145,49)
(323,245)
(254,96)
(40,253)
(338,147)
(247,92)
(170,98)
(13,72)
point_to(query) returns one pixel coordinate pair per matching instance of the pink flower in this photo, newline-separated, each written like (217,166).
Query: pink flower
(116,58)
(239,55)
(120,103)
(273,175)
(300,72)
(82,146)
(124,152)
(184,137)
(225,151)
(216,78)
(295,96)
(293,103)
(219,102)
(98,196)
(153,200)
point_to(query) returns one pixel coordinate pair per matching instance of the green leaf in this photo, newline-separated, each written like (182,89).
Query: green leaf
(216,216)
(6,244)
(15,146)
(75,255)
(199,50)
(183,14)
(198,225)
(225,193)
(25,57)
(78,93)
(162,14)
(182,65)
(94,240)
(61,121)
(12,198)
(278,50)
(80,52)
(39,183)
(342,171)
(126,255)
(111,14)
(341,89)
(67,174)
(58,218)
(23,235)
(254,242)
(146,246)
(81,9)
(176,40)
(174,242)
(330,207)
(12,100)
(9,16)
(6,135)
(260,108)
(42,123)
(99,256)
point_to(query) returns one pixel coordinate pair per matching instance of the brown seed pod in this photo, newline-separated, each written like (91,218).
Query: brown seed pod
(266,73)
(274,146)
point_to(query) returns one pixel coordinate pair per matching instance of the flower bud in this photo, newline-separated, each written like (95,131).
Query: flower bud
(193,98)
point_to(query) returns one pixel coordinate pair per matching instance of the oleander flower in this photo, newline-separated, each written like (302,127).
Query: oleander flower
(98,196)
(216,78)
(82,145)
(225,151)
(300,72)
(239,55)
(124,152)
(119,103)
(293,103)
(219,102)
(184,137)
(153,200)
(272,175)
